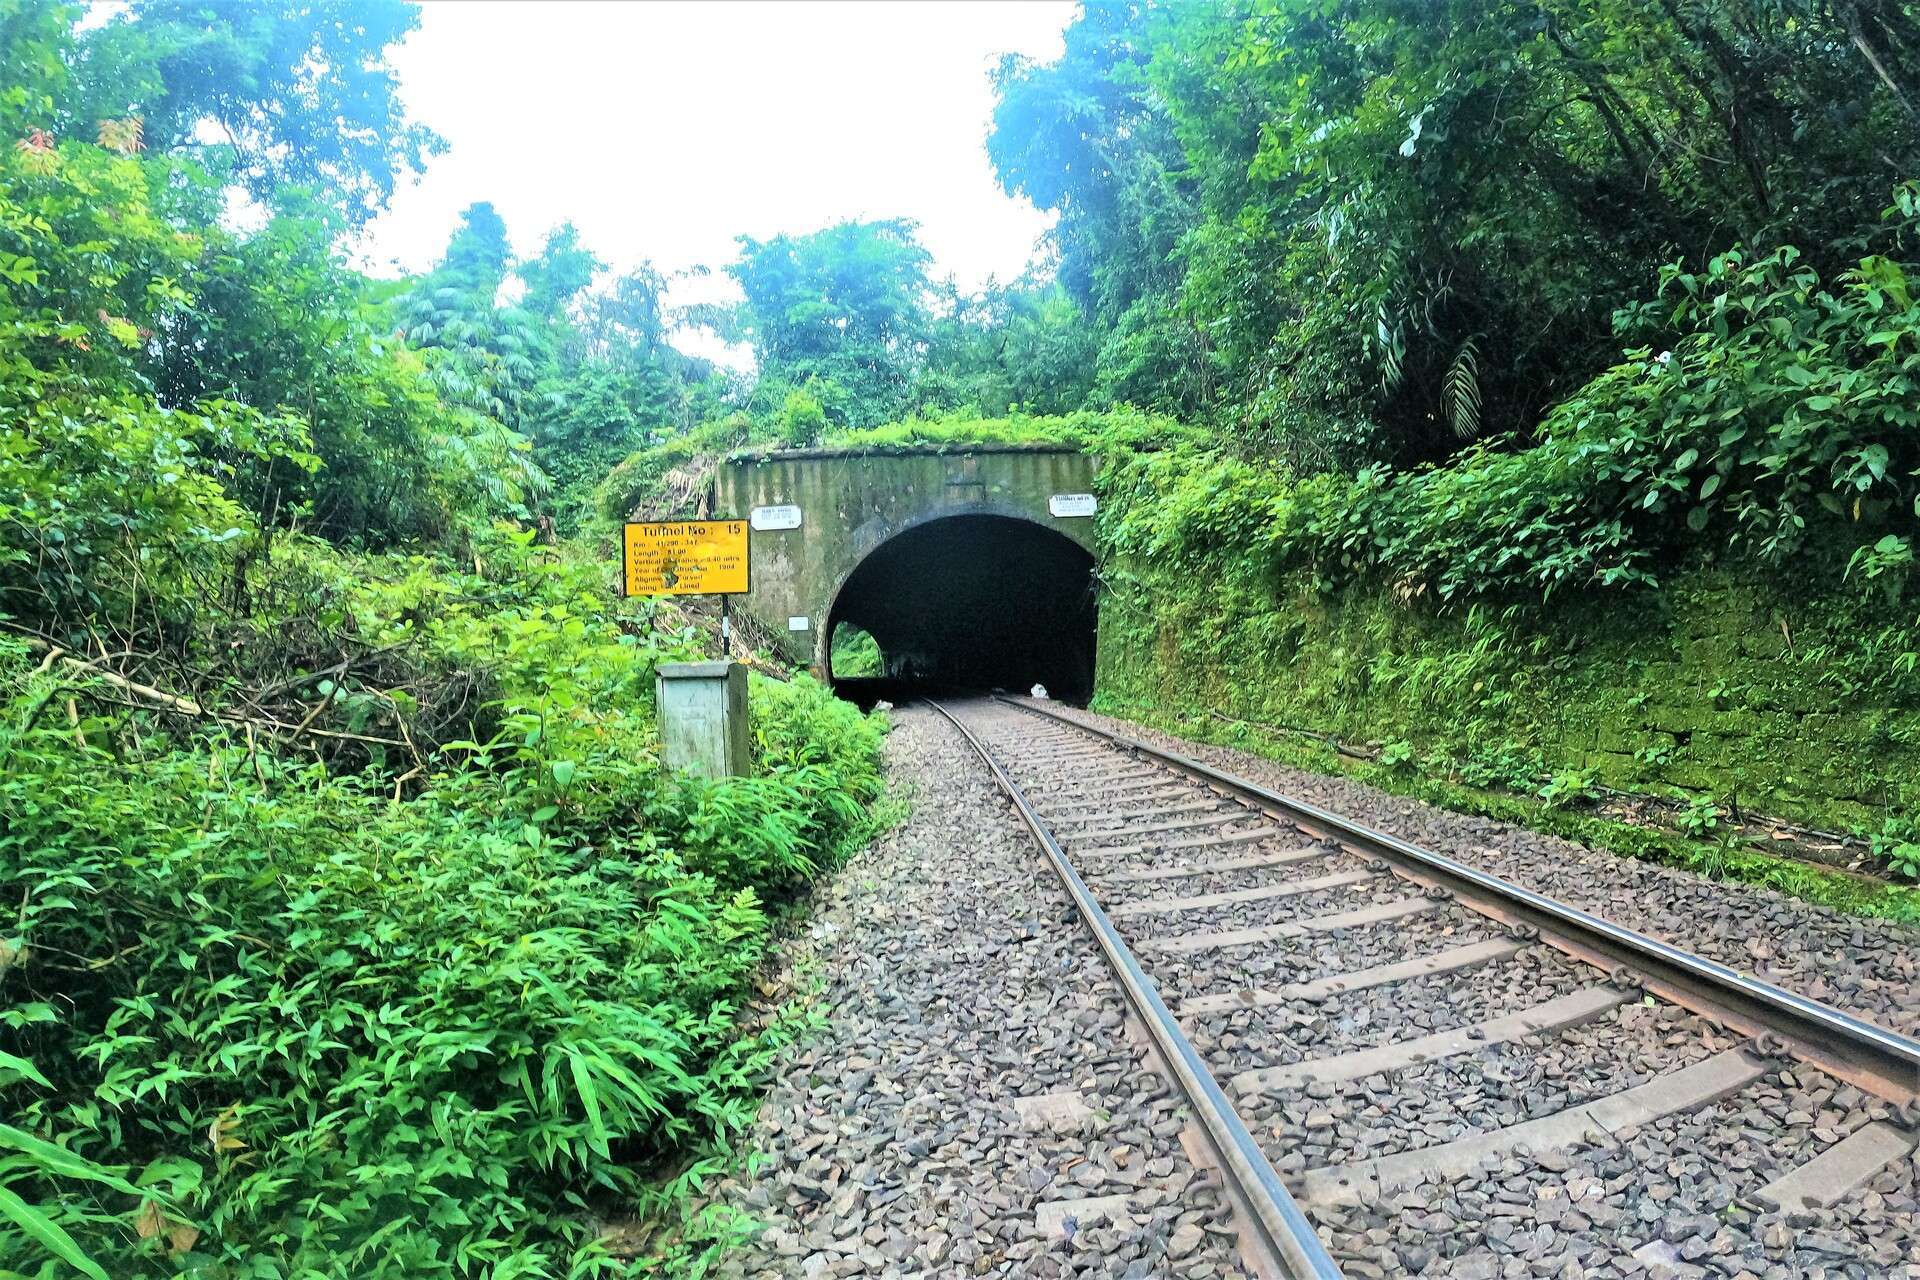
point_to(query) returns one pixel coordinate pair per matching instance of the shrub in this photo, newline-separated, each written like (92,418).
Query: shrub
(1783,409)
(336,1032)
(667,479)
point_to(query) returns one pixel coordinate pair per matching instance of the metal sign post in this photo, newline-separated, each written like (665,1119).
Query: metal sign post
(702,705)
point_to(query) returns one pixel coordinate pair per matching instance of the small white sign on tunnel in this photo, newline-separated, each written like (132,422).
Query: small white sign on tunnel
(1066,506)
(781,517)
(799,624)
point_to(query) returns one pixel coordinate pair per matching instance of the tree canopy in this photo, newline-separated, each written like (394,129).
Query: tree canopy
(1376,228)
(273,93)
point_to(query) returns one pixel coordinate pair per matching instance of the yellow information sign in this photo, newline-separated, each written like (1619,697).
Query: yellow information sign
(686,558)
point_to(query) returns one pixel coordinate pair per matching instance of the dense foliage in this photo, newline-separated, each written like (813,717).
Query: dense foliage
(1780,420)
(356,930)
(584,376)
(1368,228)
(335,1032)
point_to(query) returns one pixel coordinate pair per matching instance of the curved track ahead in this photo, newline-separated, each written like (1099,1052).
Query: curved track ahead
(1316,989)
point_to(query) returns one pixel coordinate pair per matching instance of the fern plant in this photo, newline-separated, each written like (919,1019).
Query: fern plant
(1460,391)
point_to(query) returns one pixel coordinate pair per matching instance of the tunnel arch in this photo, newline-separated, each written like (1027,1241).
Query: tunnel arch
(977,599)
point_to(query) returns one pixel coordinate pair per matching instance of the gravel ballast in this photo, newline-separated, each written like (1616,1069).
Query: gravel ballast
(1675,1197)
(1668,1201)
(923,1131)
(973,1105)
(1867,967)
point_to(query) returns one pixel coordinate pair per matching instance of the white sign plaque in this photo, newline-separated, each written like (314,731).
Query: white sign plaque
(799,624)
(1067,506)
(784,517)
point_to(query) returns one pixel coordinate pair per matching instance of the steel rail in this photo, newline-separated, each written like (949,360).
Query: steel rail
(1883,1062)
(1279,1235)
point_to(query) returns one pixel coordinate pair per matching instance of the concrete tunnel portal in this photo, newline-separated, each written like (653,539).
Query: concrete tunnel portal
(967,566)
(975,602)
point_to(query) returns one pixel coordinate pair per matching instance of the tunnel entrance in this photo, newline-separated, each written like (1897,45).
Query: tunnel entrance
(973,602)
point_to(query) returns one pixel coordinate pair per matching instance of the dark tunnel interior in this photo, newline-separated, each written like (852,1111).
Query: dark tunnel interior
(974,602)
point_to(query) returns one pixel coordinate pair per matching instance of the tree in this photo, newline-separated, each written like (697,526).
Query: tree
(278,320)
(559,274)
(579,366)
(296,92)
(1086,137)
(1372,229)
(1027,345)
(489,355)
(847,308)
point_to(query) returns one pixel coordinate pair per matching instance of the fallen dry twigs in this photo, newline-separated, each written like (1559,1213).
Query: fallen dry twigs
(147,697)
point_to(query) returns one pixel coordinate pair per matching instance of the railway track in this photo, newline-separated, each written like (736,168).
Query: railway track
(1401,1065)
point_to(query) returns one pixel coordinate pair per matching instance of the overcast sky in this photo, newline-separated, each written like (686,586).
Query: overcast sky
(663,130)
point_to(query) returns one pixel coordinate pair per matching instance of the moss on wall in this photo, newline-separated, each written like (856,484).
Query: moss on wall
(1789,702)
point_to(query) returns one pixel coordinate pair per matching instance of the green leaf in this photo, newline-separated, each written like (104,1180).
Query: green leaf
(1686,460)
(589,1101)
(563,773)
(1697,519)
(58,1160)
(22,1066)
(51,1235)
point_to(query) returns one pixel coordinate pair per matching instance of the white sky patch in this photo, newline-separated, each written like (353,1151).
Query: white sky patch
(99,14)
(664,130)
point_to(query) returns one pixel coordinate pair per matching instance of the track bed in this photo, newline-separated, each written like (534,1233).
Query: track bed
(1441,1091)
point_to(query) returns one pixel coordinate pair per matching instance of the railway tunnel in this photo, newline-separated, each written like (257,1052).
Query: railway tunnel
(970,565)
(974,602)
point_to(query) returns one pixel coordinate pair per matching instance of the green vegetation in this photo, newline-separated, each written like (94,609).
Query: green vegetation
(1122,429)
(1361,231)
(1783,408)
(669,478)
(584,377)
(1716,692)
(855,653)
(464,1020)
(1530,384)
(355,929)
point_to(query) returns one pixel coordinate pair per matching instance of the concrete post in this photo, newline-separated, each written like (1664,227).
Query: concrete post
(703,718)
